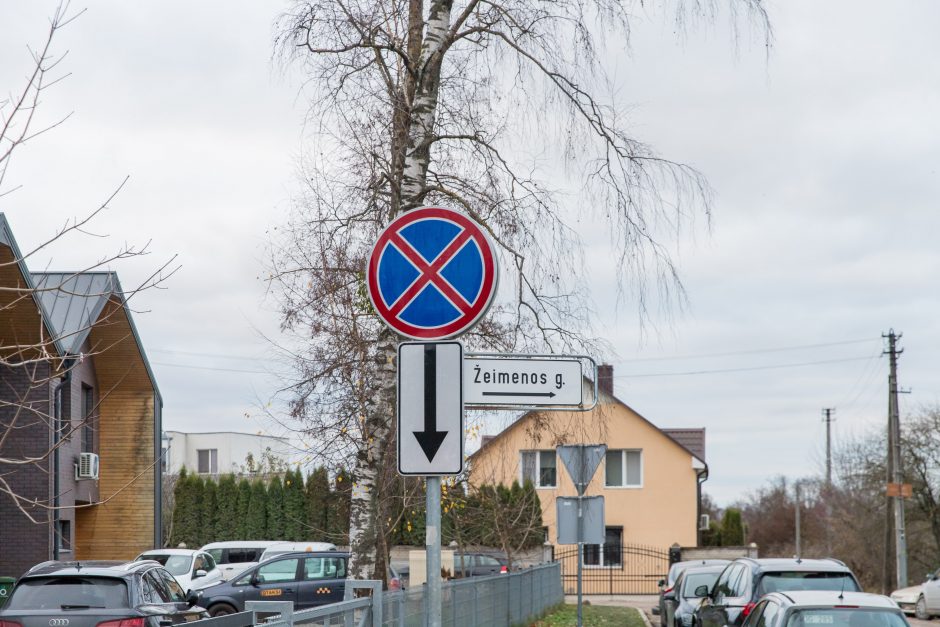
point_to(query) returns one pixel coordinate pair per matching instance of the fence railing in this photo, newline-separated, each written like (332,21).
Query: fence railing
(494,601)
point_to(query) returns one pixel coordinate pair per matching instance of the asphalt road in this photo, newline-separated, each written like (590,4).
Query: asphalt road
(922,623)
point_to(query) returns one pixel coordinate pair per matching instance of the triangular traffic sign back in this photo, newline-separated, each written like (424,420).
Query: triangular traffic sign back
(582,460)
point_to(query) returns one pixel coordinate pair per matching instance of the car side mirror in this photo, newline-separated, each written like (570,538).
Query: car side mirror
(192,598)
(661,583)
(701,591)
(669,596)
(199,573)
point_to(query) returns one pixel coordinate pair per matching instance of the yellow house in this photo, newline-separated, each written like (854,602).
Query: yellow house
(650,479)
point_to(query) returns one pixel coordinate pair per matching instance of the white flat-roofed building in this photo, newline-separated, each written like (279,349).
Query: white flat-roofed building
(220,452)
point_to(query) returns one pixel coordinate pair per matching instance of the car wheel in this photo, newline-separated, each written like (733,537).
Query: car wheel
(221,609)
(920,609)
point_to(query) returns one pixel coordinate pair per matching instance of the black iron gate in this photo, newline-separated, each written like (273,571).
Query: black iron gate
(626,569)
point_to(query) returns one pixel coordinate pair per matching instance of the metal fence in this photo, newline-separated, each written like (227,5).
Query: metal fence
(627,569)
(496,601)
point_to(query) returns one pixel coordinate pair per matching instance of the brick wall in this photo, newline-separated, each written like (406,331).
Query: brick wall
(24,433)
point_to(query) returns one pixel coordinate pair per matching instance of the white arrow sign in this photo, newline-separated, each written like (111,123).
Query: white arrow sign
(530,382)
(430,408)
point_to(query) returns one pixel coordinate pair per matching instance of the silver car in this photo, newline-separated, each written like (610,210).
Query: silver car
(825,608)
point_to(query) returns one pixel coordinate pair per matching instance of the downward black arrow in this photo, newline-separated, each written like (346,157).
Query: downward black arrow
(548,394)
(430,439)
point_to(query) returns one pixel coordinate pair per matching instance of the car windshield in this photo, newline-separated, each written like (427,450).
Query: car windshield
(69,593)
(804,580)
(176,564)
(846,617)
(694,580)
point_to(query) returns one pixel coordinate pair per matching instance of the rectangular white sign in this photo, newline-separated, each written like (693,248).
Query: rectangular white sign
(430,408)
(530,382)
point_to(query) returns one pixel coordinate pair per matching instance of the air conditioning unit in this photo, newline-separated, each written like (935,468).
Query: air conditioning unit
(703,522)
(87,466)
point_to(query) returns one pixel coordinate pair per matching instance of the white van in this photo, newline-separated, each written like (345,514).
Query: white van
(280,548)
(234,556)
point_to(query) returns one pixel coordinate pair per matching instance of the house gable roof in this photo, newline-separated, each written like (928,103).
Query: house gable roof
(7,239)
(692,441)
(71,303)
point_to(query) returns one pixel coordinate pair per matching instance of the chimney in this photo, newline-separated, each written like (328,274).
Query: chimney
(605,379)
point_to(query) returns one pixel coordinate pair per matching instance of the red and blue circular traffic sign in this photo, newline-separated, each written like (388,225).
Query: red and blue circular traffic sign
(432,273)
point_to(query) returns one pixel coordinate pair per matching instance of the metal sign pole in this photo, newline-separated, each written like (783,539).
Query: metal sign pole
(432,543)
(580,554)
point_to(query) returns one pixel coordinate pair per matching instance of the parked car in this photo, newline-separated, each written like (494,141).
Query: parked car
(908,598)
(234,556)
(745,580)
(281,548)
(680,602)
(927,602)
(192,569)
(825,608)
(308,579)
(102,594)
(472,564)
(666,585)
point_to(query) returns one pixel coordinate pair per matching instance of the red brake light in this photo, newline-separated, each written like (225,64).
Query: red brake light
(503,569)
(669,589)
(747,609)
(9,623)
(124,622)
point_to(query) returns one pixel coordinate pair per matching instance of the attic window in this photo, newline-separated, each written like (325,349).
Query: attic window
(624,469)
(540,468)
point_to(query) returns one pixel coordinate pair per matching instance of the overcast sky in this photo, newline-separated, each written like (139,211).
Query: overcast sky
(824,157)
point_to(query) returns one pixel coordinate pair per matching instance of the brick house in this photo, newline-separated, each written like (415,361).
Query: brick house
(80,419)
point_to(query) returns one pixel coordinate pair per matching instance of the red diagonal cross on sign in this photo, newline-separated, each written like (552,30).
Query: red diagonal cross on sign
(430,273)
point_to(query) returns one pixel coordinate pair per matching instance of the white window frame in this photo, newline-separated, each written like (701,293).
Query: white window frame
(538,468)
(623,470)
(602,563)
(213,461)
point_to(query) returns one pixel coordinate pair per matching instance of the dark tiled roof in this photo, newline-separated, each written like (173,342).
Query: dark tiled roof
(692,439)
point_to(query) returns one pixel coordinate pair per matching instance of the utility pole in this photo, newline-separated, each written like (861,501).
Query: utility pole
(799,548)
(827,412)
(894,458)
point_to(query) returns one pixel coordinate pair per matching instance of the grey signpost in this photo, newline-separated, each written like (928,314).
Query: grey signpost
(581,461)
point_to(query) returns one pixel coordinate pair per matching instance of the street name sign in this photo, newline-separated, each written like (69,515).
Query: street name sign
(530,381)
(432,273)
(430,408)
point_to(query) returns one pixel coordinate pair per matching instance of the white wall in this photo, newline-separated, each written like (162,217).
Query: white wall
(233,449)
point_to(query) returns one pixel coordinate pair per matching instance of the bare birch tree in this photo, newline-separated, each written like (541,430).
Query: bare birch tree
(494,107)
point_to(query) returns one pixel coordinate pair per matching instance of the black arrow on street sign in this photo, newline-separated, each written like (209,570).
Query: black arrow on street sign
(548,394)
(430,439)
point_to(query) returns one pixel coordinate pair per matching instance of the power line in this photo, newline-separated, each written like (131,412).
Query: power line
(755,351)
(749,369)
(158,363)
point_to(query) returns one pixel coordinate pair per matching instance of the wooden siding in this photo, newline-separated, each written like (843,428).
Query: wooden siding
(121,526)
(22,321)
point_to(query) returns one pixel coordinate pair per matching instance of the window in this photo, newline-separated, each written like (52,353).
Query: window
(88,415)
(150,589)
(280,570)
(176,592)
(540,468)
(768,615)
(608,554)
(64,535)
(208,460)
(324,568)
(624,469)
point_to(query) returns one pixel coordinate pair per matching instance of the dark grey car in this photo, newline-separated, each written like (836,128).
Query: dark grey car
(680,602)
(745,580)
(666,585)
(99,594)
